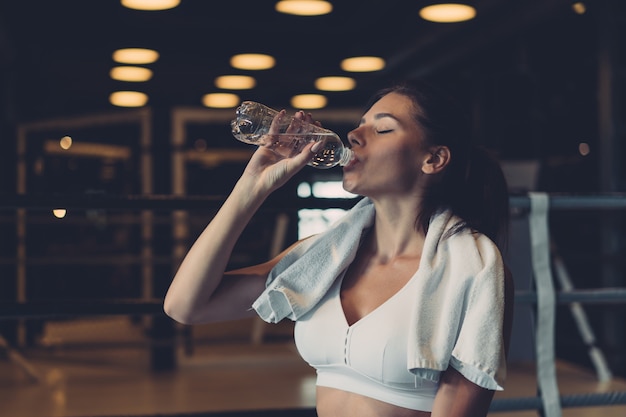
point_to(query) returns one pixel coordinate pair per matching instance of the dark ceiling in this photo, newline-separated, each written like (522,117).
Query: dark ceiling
(531,72)
(56,55)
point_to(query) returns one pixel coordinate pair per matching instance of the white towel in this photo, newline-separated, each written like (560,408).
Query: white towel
(458,310)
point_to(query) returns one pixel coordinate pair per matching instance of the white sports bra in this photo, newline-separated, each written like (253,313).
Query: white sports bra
(368,358)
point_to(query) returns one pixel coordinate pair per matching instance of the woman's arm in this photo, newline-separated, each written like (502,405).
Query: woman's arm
(459,397)
(198,293)
(232,297)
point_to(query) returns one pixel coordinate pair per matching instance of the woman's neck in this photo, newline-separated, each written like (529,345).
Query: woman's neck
(395,232)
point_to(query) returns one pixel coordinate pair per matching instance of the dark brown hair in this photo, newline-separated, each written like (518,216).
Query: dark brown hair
(472,185)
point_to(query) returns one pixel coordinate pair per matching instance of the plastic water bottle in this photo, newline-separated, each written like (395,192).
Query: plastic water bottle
(252,125)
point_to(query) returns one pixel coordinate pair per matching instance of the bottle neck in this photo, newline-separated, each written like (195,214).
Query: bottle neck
(346,156)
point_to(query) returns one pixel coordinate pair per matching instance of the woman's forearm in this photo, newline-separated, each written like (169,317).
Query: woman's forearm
(203,267)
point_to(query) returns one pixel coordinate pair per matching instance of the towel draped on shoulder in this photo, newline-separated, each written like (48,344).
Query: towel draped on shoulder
(457,317)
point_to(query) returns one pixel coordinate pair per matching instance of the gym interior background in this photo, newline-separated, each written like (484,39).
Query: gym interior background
(100,201)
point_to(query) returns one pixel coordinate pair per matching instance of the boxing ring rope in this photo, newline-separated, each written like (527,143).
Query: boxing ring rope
(538,205)
(560,202)
(10,310)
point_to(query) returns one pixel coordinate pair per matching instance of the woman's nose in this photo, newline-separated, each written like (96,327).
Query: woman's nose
(354,138)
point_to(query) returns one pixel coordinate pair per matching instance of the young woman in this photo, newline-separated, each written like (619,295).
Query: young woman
(403,307)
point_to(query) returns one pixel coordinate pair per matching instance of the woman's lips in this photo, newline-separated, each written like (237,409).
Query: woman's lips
(352,162)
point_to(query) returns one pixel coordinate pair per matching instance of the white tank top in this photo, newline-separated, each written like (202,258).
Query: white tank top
(368,358)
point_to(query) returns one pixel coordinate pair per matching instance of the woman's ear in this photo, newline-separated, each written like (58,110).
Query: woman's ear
(436,160)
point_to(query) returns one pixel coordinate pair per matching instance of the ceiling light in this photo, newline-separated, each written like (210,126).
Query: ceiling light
(335,83)
(579,7)
(132,74)
(135,56)
(220,100)
(308,101)
(363,64)
(150,4)
(235,82)
(304,7)
(128,99)
(252,61)
(59,213)
(448,13)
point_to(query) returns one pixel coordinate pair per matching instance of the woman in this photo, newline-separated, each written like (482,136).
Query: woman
(404,306)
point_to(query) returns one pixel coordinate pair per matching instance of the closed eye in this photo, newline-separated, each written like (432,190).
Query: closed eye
(384,131)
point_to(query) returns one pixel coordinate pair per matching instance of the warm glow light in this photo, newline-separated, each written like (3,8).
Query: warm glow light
(89,150)
(150,4)
(135,56)
(579,7)
(59,213)
(304,7)
(363,64)
(583,149)
(448,13)
(133,74)
(128,99)
(220,100)
(235,82)
(335,83)
(308,101)
(252,61)
(65,142)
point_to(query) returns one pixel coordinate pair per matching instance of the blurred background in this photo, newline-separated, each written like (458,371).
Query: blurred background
(104,100)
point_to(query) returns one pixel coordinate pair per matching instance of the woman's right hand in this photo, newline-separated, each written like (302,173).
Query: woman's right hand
(267,170)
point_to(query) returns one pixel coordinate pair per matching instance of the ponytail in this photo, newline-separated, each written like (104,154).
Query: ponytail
(476,192)
(484,205)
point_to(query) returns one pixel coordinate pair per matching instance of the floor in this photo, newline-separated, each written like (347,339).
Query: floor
(100,367)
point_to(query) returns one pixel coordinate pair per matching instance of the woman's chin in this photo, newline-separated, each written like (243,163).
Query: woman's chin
(348,186)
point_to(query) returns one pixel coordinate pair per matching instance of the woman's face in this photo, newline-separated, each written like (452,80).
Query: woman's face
(389,150)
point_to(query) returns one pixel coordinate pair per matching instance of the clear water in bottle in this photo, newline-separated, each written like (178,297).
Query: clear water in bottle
(288,135)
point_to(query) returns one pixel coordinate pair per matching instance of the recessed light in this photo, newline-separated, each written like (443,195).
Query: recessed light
(448,13)
(363,64)
(132,74)
(252,61)
(304,7)
(150,4)
(135,56)
(128,99)
(335,83)
(235,82)
(59,213)
(220,100)
(308,101)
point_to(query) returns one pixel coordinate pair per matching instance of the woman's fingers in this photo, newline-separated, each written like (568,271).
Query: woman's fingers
(276,123)
(296,123)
